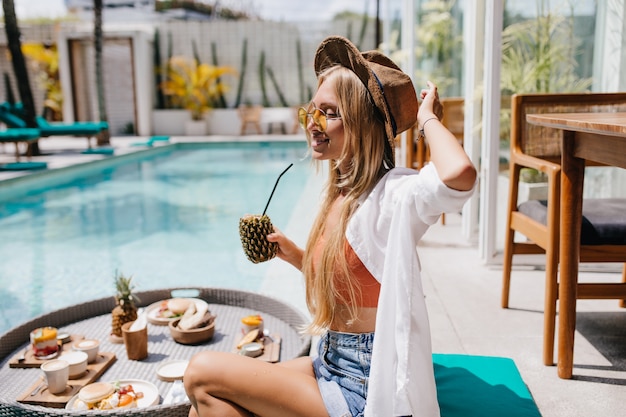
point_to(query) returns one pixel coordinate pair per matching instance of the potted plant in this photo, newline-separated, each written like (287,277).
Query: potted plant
(538,56)
(194,87)
(46,60)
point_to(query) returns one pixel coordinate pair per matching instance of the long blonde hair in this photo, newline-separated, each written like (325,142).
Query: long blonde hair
(362,166)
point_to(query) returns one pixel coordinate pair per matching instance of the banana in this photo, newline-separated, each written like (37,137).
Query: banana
(248,338)
(193,317)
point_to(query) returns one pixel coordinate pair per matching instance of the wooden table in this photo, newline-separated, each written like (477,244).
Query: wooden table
(598,137)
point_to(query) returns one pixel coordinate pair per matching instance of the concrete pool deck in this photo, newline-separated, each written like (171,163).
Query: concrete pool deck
(463,298)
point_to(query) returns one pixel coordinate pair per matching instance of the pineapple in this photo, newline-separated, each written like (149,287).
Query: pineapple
(125,309)
(253,231)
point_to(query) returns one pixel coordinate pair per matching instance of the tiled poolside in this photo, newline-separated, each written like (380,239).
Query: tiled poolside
(463,296)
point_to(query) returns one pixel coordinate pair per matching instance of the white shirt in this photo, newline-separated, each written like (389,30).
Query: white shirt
(384,232)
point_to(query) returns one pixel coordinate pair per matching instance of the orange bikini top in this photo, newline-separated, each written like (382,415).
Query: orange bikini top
(370,287)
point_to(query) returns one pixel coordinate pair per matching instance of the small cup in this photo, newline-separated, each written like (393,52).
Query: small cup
(57,372)
(77,361)
(136,342)
(44,342)
(250,323)
(89,346)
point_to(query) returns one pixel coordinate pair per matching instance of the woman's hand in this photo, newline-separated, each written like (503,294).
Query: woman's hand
(453,166)
(287,250)
(430,106)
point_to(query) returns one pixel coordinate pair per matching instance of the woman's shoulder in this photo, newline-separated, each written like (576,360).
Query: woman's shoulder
(395,180)
(398,175)
(405,183)
(401,171)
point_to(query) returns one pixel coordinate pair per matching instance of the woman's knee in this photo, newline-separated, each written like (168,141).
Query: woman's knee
(206,371)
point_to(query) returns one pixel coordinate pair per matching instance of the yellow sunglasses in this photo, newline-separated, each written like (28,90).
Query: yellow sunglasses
(320,118)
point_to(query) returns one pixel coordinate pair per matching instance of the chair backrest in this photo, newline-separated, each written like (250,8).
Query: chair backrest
(250,113)
(9,118)
(454,116)
(453,119)
(545,142)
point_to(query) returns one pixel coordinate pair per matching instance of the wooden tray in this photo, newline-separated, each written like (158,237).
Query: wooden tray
(31,361)
(271,349)
(94,370)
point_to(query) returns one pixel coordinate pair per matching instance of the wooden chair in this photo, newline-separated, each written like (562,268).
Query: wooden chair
(540,148)
(250,115)
(295,127)
(454,116)
(453,119)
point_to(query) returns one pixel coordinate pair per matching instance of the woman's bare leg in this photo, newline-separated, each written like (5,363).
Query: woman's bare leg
(226,384)
(303,364)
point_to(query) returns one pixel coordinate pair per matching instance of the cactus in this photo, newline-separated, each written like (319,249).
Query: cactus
(363,27)
(300,72)
(221,99)
(168,70)
(266,101)
(196,55)
(242,73)
(281,97)
(158,77)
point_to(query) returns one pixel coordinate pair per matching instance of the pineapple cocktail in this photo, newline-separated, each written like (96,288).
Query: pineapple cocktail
(253,231)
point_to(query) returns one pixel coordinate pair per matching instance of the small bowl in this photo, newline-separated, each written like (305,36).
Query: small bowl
(252,350)
(64,337)
(89,346)
(192,336)
(77,361)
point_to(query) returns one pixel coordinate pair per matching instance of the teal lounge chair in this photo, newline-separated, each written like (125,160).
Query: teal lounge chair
(17,136)
(79,129)
(11,116)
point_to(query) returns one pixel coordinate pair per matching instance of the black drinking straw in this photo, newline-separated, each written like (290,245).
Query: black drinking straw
(278,179)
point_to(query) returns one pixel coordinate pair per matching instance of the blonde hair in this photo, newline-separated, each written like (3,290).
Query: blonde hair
(362,162)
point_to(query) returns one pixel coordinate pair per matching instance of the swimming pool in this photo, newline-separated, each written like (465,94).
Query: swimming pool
(168,218)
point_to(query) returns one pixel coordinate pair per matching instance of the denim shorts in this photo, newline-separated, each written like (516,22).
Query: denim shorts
(342,370)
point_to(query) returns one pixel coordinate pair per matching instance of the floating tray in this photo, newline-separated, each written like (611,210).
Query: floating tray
(43,397)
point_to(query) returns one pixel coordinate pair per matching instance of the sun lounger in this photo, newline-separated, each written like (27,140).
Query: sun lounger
(79,129)
(17,136)
(10,115)
(23,166)
(10,119)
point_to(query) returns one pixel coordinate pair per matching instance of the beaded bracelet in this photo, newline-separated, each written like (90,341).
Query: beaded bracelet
(422,134)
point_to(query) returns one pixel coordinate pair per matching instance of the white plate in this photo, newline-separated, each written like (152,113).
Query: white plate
(153,310)
(173,370)
(149,390)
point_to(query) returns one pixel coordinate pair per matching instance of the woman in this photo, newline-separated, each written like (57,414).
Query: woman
(360,263)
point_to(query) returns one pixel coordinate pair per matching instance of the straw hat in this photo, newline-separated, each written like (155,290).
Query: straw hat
(391,89)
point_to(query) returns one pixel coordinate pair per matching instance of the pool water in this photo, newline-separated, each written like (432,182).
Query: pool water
(168,219)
